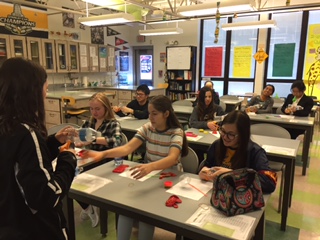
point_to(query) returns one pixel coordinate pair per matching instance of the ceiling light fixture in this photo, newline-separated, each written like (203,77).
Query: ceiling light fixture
(160,31)
(106,19)
(166,21)
(249,25)
(231,6)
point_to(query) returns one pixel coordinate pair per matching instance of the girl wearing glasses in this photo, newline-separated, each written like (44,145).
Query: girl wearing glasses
(165,144)
(236,150)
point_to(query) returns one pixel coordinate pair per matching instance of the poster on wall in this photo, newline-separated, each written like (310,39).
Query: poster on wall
(162,57)
(213,62)
(67,19)
(124,61)
(283,57)
(145,67)
(312,59)
(242,60)
(97,35)
(20,20)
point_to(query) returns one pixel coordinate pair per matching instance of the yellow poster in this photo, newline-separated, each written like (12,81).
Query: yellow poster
(21,20)
(312,61)
(242,62)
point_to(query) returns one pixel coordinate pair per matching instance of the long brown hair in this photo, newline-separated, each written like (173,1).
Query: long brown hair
(202,108)
(242,122)
(162,104)
(21,95)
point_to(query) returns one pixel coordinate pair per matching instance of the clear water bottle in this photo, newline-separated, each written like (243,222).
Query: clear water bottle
(78,170)
(118,161)
(88,134)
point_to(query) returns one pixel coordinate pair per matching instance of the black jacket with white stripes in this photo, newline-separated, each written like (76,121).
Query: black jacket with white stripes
(31,192)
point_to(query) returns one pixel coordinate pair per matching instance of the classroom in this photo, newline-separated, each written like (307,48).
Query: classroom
(240,46)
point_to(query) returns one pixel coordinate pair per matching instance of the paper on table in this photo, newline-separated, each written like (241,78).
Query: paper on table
(194,138)
(88,183)
(236,227)
(127,173)
(280,150)
(185,190)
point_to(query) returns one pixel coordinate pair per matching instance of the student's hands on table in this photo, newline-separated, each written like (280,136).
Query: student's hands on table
(127,110)
(212,125)
(209,174)
(95,155)
(140,171)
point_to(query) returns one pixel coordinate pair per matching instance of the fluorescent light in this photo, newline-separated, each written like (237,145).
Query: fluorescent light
(100,2)
(106,19)
(232,6)
(249,25)
(160,31)
(166,21)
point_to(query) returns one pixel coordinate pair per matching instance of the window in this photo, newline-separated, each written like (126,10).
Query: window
(243,47)
(284,46)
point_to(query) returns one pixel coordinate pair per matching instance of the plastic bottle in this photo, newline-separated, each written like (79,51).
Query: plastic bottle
(88,134)
(118,161)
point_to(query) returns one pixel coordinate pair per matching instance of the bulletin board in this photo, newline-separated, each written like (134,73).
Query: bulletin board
(178,58)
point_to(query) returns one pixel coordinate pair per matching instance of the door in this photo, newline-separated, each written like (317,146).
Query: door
(143,65)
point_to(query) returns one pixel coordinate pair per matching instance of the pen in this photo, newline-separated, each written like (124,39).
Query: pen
(198,189)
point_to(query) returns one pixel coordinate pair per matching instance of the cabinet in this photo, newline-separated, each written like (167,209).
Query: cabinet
(181,71)
(89,59)
(18,46)
(34,50)
(4,48)
(67,56)
(53,112)
(111,59)
(48,55)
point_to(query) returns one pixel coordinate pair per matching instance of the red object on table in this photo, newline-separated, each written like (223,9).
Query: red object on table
(172,201)
(167,174)
(168,184)
(120,168)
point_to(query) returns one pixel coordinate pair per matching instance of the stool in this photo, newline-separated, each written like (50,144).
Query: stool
(68,113)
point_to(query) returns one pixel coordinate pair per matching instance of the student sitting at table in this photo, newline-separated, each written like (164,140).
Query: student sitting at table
(215,95)
(261,103)
(137,107)
(165,143)
(202,116)
(297,104)
(236,150)
(102,120)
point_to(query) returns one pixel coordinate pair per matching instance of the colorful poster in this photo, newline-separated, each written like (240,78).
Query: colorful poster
(242,60)
(283,57)
(213,62)
(312,60)
(21,20)
(124,61)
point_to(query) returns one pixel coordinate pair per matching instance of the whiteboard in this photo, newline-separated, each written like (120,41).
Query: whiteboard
(178,58)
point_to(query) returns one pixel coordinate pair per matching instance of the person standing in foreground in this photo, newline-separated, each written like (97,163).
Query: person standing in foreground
(165,144)
(31,191)
(236,150)
(297,104)
(137,107)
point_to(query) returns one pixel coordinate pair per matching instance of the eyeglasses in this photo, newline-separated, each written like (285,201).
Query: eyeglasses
(230,136)
(140,94)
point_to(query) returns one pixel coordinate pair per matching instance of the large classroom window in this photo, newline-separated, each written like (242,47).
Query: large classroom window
(284,46)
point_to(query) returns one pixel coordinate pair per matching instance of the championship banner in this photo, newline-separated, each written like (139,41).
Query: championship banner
(21,20)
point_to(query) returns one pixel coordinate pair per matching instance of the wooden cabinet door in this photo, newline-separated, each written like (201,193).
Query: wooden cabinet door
(18,47)
(84,57)
(34,50)
(61,56)
(4,48)
(48,55)
(73,54)
(93,58)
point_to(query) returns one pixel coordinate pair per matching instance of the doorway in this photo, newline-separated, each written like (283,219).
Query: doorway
(143,65)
